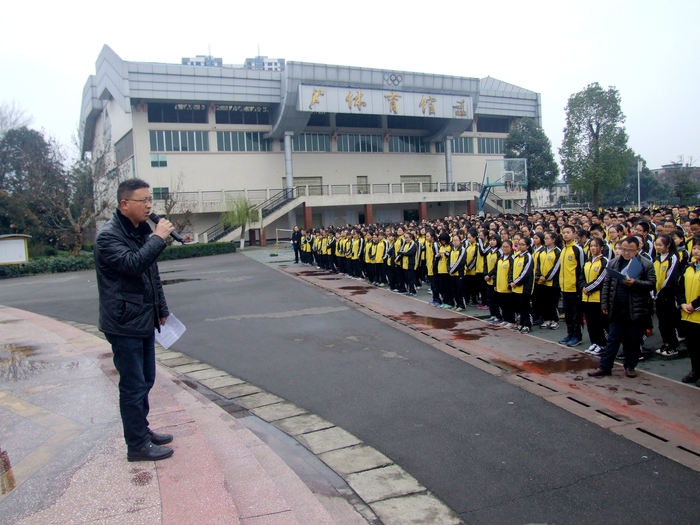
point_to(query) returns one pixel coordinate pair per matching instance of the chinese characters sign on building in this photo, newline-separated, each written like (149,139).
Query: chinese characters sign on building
(380,102)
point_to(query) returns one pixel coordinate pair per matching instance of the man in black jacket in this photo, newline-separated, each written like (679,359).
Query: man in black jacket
(132,305)
(628,306)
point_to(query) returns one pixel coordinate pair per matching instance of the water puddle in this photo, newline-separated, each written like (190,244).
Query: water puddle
(558,365)
(15,364)
(7,477)
(176,281)
(357,290)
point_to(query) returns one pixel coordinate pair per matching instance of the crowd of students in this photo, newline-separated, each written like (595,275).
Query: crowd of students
(521,267)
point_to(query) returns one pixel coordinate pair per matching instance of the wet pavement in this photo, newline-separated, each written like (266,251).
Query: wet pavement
(503,427)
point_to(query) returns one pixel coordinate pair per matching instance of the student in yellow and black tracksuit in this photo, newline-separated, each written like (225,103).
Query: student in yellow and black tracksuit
(431,250)
(390,265)
(490,262)
(307,240)
(399,272)
(370,257)
(668,269)
(547,266)
(443,270)
(504,294)
(380,259)
(591,282)
(536,250)
(521,280)
(471,286)
(688,296)
(357,254)
(409,259)
(571,264)
(484,249)
(457,270)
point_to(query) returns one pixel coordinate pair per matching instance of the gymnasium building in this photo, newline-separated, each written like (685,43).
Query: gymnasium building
(307,144)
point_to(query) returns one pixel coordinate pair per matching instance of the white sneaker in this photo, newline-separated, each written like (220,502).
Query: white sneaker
(596,351)
(590,349)
(509,325)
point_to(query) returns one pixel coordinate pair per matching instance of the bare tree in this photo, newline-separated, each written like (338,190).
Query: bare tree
(12,117)
(175,210)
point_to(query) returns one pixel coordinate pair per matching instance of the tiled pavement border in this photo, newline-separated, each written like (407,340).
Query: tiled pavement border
(384,493)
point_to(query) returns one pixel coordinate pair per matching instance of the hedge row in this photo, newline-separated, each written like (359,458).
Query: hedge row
(86,262)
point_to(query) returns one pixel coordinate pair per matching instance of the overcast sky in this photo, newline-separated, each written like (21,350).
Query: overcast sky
(647,50)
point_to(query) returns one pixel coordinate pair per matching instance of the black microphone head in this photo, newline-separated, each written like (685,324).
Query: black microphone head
(154,217)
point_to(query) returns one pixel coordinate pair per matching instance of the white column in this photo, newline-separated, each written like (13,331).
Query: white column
(288,169)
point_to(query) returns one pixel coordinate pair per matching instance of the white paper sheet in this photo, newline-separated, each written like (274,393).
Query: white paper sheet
(170,332)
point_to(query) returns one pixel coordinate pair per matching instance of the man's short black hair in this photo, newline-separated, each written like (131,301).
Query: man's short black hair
(128,187)
(632,240)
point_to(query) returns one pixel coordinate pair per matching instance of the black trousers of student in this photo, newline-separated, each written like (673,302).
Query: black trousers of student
(596,323)
(382,273)
(370,270)
(457,282)
(692,341)
(538,300)
(550,301)
(492,301)
(524,308)
(471,289)
(357,267)
(480,284)
(400,279)
(573,314)
(410,277)
(507,305)
(668,316)
(434,288)
(445,287)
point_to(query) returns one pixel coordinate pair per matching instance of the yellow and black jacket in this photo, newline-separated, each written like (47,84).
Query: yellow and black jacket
(688,292)
(570,267)
(457,261)
(668,271)
(592,278)
(522,273)
(547,264)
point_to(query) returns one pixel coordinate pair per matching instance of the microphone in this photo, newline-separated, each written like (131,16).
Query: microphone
(156,219)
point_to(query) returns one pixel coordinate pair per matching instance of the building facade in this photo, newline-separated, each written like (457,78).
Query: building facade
(339,144)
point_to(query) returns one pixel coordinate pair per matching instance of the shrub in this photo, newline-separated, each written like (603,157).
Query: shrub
(187,251)
(62,264)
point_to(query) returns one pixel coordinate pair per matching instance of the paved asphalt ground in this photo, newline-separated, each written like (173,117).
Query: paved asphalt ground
(493,452)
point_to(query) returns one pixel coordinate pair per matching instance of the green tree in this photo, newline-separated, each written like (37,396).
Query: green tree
(594,152)
(33,175)
(653,190)
(528,141)
(684,187)
(241,212)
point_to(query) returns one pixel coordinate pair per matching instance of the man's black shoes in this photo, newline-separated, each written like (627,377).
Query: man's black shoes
(149,452)
(599,372)
(159,439)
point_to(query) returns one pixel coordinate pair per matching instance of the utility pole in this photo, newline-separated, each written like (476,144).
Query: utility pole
(639,184)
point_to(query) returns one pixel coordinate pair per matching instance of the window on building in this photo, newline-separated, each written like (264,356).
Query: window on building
(308,142)
(408,144)
(493,124)
(239,114)
(459,145)
(319,120)
(491,146)
(356,142)
(357,120)
(177,113)
(159,194)
(410,215)
(242,141)
(159,161)
(463,145)
(179,140)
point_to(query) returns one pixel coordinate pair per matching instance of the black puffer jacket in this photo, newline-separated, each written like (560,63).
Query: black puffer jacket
(639,292)
(131,295)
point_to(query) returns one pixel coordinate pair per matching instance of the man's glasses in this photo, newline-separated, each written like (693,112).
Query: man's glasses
(148,200)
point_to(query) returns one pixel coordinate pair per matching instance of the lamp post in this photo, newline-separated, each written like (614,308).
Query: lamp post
(639,185)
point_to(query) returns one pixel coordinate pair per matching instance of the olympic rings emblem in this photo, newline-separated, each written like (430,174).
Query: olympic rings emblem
(393,79)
